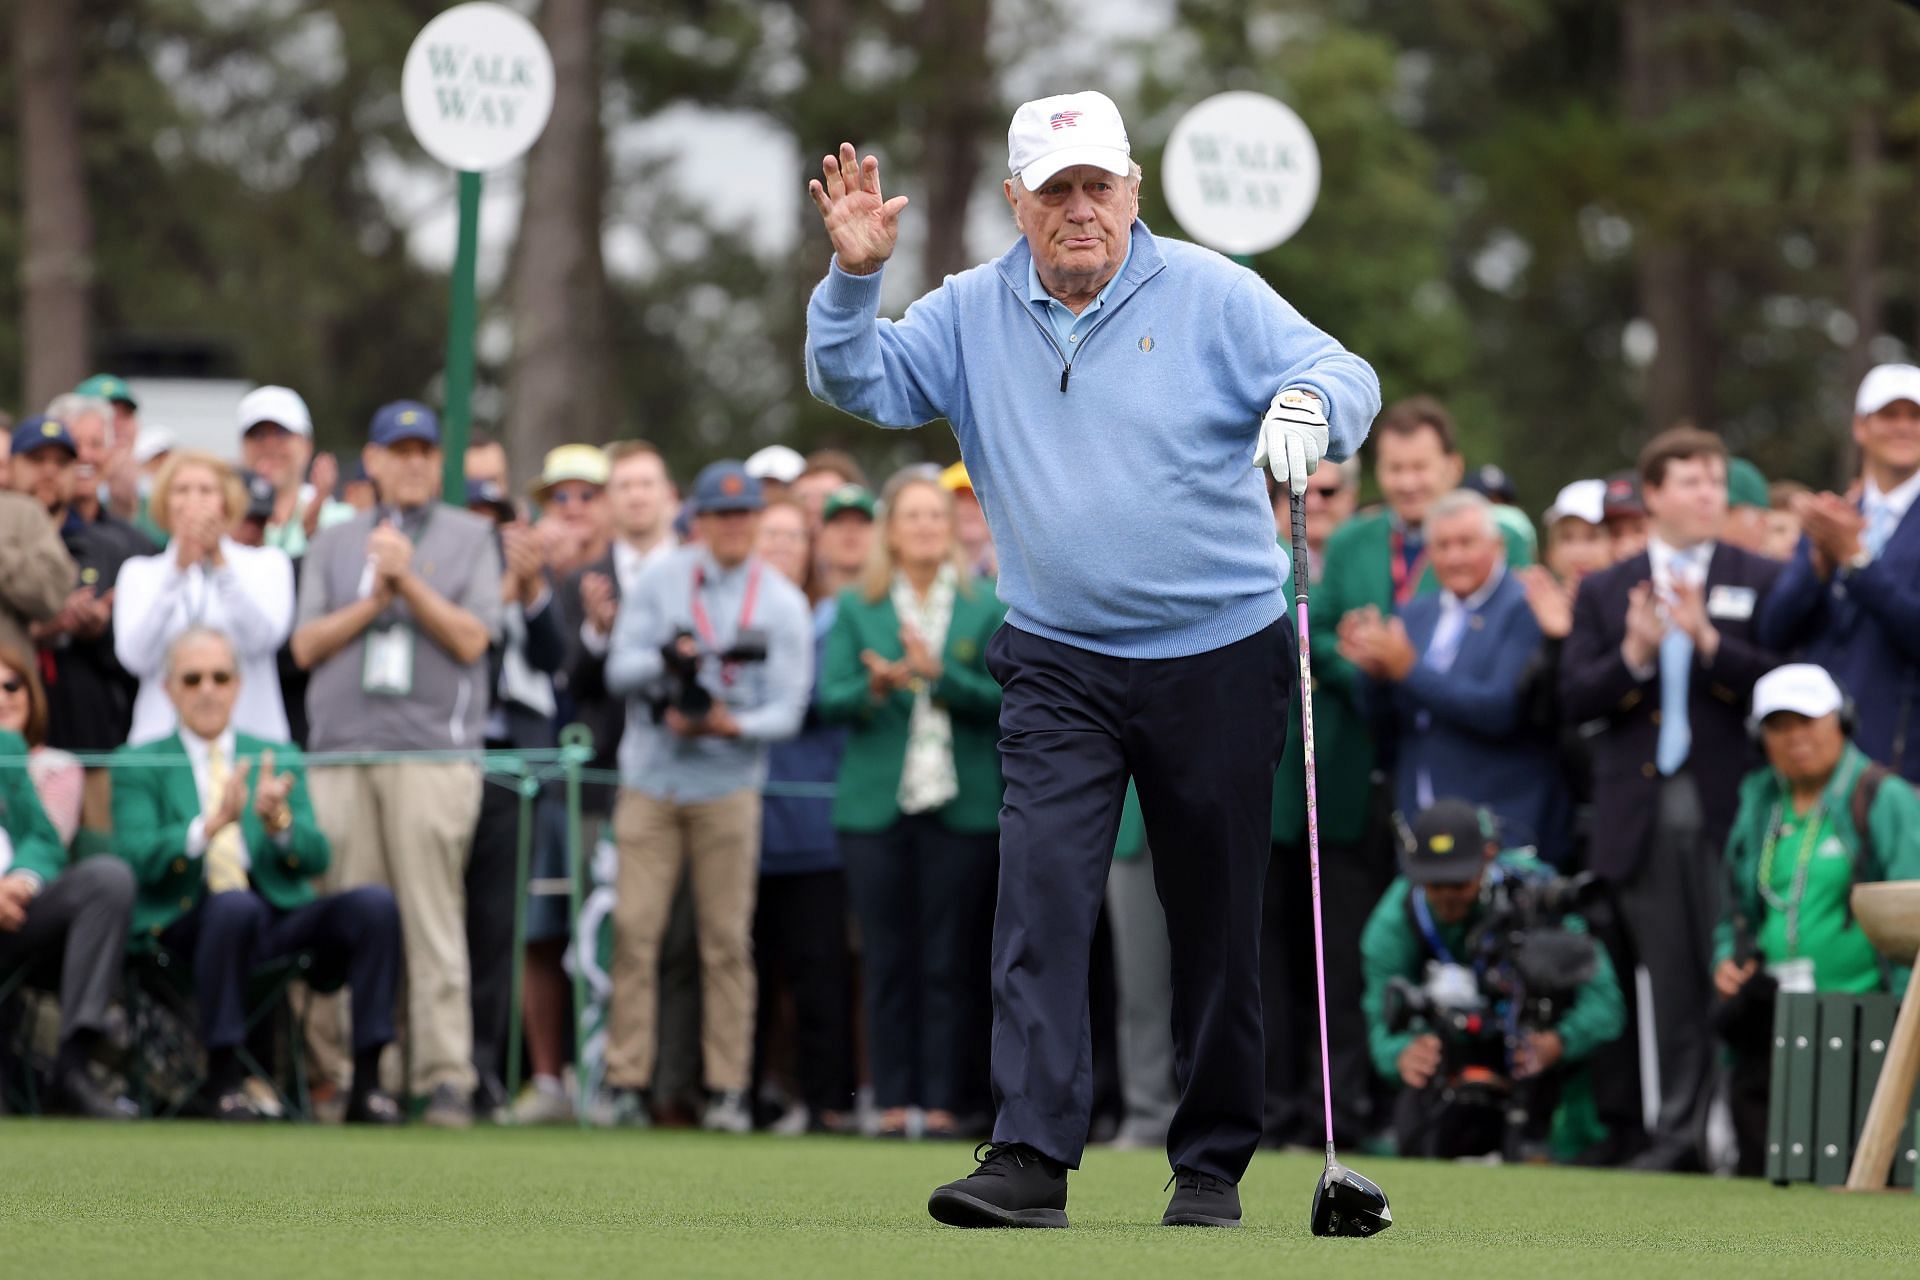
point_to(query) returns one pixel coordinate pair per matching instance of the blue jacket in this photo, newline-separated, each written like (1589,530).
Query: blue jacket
(1864,628)
(796,831)
(1466,729)
(1118,481)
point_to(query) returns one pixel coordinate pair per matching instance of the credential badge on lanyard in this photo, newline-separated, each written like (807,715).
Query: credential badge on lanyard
(703,625)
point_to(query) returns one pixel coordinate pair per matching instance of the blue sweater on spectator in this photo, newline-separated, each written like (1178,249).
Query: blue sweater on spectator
(1116,474)
(796,832)
(1864,628)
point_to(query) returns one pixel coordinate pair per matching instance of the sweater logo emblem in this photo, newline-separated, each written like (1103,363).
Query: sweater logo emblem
(1146,343)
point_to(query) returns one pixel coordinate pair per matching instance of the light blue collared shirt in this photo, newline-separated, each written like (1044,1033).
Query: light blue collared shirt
(1069,328)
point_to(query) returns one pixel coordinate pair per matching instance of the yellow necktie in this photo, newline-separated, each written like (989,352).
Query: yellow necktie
(226,868)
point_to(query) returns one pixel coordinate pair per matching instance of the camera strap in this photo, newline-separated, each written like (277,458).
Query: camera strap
(703,624)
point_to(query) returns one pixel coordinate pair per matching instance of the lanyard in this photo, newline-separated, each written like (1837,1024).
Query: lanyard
(704,624)
(1406,578)
(1423,916)
(1796,894)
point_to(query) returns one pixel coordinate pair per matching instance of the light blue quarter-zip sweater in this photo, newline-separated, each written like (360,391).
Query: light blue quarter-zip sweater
(1116,473)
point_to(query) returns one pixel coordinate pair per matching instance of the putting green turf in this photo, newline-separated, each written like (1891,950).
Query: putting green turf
(165,1200)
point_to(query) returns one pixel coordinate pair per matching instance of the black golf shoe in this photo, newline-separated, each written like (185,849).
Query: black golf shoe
(1201,1200)
(1015,1186)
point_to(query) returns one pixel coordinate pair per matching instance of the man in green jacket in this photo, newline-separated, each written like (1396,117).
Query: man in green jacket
(72,919)
(1373,561)
(220,833)
(1818,819)
(1423,933)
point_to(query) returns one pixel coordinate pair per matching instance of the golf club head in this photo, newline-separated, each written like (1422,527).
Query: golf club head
(1346,1204)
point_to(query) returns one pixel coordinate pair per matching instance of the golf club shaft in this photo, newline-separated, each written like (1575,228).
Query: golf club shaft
(1297,506)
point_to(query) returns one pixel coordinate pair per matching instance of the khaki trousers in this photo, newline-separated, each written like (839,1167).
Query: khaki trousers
(717,844)
(408,826)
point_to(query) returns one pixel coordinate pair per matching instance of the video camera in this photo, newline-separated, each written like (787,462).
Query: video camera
(680,659)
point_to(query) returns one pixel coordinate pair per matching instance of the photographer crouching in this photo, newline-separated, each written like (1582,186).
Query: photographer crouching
(1819,818)
(713,651)
(1483,990)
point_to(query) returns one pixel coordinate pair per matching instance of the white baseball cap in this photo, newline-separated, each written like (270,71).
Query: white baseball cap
(152,442)
(1884,384)
(1799,687)
(281,405)
(1051,134)
(776,462)
(1583,500)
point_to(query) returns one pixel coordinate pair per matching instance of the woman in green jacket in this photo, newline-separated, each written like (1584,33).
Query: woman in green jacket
(1817,820)
(917,805)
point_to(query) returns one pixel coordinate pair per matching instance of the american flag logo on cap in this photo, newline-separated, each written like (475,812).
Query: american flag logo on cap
(1063,119)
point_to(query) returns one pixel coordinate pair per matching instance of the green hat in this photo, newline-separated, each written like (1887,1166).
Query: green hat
(1746,487)
(848,497)
(106,386)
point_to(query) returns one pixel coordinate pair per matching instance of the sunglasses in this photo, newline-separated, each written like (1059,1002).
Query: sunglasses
(1327,490)
(192,679)
(12,684)
(568,497)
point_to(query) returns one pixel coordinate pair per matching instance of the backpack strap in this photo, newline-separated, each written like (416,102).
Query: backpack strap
(1866,789)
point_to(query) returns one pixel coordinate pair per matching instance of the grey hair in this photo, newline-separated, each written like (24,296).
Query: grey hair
(71,407)
(1453,504)
(197,633)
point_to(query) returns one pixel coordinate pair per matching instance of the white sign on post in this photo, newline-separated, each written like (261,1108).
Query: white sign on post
(477,86)
(1241,172)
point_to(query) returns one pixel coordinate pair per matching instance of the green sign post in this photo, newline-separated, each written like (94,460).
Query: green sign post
(477,88)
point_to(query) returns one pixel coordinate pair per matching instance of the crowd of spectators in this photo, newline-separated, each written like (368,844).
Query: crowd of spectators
(1693,685)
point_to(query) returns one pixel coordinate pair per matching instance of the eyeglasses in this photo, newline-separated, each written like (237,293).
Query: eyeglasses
(568,497)
(12,684)
(192,679)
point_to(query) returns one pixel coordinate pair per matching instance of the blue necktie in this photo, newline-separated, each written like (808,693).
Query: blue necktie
(1676,733)
(1880,525)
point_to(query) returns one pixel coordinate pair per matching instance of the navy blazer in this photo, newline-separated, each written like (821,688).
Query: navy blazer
(1864,628)
(1595,685)
(1467,729)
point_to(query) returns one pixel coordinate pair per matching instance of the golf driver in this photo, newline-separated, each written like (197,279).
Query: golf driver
(1344,1203)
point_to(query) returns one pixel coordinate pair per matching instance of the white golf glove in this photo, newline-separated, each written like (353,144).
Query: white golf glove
(1293,437)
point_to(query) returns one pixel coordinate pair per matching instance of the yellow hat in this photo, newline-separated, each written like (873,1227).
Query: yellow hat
(955,478)
(581,462)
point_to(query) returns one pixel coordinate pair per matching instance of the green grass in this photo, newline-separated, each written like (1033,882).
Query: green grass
(202,1201)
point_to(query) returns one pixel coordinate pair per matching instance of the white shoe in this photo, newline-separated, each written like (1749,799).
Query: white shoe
(543,1105)
(727,1113)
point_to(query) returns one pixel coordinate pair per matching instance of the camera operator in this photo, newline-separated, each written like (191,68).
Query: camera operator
(1818,819)
(714,651)
(1482,990)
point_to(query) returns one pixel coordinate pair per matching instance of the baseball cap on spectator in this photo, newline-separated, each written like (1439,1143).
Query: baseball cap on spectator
(281,406)
(39,432)
(107,386)
(404,420)
(260,495)
(1051,134)
(1583,500)
(848,497)
(152,442)
(1492,483)
(955,478)
(582,462)
(776,462)
(1623,495)
(491,496)
(1885,384)
(1746,486)
(725,486)
(1799,687)
(1447,843)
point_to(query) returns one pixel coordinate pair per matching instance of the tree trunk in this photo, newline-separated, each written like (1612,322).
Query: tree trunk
(56,260)
(1673,270)
(954,56)
(560,386)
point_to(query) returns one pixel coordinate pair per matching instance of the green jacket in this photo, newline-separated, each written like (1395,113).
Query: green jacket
(1894,822)
(867,796)
(1391,947)
(1358,572)
(37,847)
(153,805)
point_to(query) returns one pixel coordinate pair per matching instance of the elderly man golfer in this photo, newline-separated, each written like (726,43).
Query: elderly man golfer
(1112,392)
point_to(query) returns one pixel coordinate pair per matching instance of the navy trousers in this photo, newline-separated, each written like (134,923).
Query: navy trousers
(353,935)
(1201,737)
